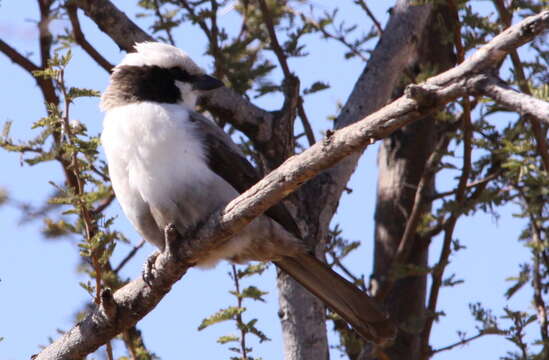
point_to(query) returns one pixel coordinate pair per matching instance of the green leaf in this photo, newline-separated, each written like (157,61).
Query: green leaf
(227,339)
(252,269)
(74,93)
(316,87)
(253,292)
(222,315)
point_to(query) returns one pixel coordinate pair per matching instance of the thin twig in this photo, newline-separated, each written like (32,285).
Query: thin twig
(356,280)
(79,188)
(130,255)
(371,15)
(104,204)
(240,322)
(328,35)
(163,22)
(283,60)
(81,40)
(470,185)
(458,343)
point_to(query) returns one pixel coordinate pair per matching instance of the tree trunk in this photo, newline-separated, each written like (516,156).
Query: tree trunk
(401,162)
(302,315)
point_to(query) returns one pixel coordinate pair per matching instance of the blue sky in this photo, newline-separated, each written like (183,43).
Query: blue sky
(39,290)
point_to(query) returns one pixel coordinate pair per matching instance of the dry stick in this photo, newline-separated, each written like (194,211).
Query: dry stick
(137,298)
(267,18)
(81,40)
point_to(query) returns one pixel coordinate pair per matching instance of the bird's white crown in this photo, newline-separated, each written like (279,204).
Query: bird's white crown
(159,54)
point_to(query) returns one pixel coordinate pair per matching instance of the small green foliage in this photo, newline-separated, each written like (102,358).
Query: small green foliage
(236,313)
(519,281)
(316,87)
(227,339)
(228,313)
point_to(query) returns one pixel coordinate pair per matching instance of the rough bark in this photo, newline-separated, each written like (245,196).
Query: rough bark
(318,200)
(516,101)
(402,160)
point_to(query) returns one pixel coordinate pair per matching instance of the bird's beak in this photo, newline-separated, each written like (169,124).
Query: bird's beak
(206,82)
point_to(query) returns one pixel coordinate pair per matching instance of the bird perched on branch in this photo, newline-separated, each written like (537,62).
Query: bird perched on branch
(170,165)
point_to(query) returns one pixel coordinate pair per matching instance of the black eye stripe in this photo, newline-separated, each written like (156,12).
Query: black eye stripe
(181,75)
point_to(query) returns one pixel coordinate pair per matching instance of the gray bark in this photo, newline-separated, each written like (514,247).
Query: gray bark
(317,202)
(402,161)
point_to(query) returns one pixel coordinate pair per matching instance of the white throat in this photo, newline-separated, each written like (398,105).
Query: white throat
(188,95)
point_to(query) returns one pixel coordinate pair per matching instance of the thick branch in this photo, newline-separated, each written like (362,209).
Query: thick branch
(136,299)
(515,100)
(114,22)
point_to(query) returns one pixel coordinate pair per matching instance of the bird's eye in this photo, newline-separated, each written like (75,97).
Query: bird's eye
(180,74)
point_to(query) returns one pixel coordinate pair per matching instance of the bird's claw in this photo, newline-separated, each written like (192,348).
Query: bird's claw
(148,269)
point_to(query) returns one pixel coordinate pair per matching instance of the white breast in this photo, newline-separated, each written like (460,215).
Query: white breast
(152,150)
(157,162)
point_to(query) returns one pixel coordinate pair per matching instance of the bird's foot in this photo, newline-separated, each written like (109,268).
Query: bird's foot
(148,269)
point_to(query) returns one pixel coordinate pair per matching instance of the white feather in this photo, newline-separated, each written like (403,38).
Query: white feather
(157,160)
(163,55)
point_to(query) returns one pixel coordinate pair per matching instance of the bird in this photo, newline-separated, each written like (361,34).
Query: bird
(169,164)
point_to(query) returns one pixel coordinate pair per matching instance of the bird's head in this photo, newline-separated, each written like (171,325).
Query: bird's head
(157,72)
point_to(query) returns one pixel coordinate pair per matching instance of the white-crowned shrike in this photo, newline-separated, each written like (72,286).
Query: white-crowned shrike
(169,164)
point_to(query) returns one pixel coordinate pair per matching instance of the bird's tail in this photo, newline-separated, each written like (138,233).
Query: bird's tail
(353,305)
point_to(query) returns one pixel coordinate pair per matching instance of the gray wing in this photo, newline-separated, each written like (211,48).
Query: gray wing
(227,160)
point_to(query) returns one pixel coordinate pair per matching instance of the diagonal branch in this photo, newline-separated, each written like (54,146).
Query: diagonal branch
(283,61)
(514,100)
(132,302)
(114,22)
(371,15)
(81,40)
(17,58)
